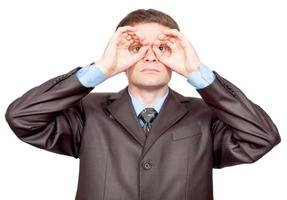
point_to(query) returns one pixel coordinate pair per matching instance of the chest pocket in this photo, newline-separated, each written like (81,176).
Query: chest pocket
(186,132)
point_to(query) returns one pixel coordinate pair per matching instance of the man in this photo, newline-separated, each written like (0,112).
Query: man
(147,141)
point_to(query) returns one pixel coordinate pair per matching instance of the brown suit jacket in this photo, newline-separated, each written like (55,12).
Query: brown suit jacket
(189,137)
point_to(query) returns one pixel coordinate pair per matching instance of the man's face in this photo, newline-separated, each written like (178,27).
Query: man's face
(148,72)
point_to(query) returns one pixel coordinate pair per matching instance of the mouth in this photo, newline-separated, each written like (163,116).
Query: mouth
(150,70)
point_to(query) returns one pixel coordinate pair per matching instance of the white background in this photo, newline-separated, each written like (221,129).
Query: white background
(244,41)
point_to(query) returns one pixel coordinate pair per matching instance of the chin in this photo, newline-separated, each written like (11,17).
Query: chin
(151,85)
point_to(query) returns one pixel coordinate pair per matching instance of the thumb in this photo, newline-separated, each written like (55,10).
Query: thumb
(141,53)
(159,54)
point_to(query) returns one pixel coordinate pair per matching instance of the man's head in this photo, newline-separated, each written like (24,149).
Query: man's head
(148,16)
(148,72)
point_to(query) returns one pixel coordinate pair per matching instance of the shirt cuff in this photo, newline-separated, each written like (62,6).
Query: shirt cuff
(202,78)
(90,75)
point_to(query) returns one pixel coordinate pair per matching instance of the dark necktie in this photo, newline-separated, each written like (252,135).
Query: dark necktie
(147,115)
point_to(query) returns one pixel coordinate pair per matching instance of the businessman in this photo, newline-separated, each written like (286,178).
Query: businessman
(146,142)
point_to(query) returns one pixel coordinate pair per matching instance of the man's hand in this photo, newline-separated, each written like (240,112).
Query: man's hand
(176,52)
(118,55)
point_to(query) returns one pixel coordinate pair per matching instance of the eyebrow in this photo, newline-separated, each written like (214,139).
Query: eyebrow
(138,43)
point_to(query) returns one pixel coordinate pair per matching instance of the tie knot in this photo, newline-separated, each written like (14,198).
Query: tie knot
(147,115)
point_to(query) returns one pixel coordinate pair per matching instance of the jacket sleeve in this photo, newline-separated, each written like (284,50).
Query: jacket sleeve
(242,132)
(50,116)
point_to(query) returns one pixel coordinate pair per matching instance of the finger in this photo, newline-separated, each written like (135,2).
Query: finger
(124,42)
(144,42)
(129,37)
(131,34)
(171,45)
(156,50)
(139,43)
(176,37)
(126,36)
(136,39)
(134,34)
(173,32)
(128,43)
(162,36)
(140,40)
(139,35)
(141,53)
(160,55)
(157,43)
(163,40)
(143,50)
(172,40)
(123,29)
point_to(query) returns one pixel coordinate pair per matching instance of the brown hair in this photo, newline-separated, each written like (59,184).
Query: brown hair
(148,16)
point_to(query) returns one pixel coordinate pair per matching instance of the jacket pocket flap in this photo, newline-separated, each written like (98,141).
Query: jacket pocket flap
(186,131)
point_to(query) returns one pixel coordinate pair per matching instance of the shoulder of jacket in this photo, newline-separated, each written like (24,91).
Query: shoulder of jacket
(97,97)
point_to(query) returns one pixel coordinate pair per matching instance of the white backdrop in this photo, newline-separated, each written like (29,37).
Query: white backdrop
(244,41)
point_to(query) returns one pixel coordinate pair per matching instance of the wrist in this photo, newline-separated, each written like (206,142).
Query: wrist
(103,67)
(202,78)
(192,68)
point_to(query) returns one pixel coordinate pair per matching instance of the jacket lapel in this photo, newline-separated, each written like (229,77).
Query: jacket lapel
(122,110)
(171,112)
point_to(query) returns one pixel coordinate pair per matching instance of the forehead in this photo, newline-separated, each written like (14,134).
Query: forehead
(150,30)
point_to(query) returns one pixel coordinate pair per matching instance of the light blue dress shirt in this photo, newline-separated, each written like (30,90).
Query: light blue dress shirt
(138,106)
(91,76)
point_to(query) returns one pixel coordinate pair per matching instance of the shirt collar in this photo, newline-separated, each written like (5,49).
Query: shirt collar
(138,106)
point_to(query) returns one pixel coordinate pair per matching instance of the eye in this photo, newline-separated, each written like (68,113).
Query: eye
(163,47)
(135,48)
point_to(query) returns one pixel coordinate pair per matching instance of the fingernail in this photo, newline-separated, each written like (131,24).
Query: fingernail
(161,36)
(156,42)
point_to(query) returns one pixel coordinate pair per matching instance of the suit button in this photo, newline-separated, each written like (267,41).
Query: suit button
(147,166)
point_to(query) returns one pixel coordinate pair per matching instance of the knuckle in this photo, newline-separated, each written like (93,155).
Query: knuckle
(121,29)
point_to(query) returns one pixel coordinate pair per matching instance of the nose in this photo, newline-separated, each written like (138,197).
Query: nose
(150,56)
